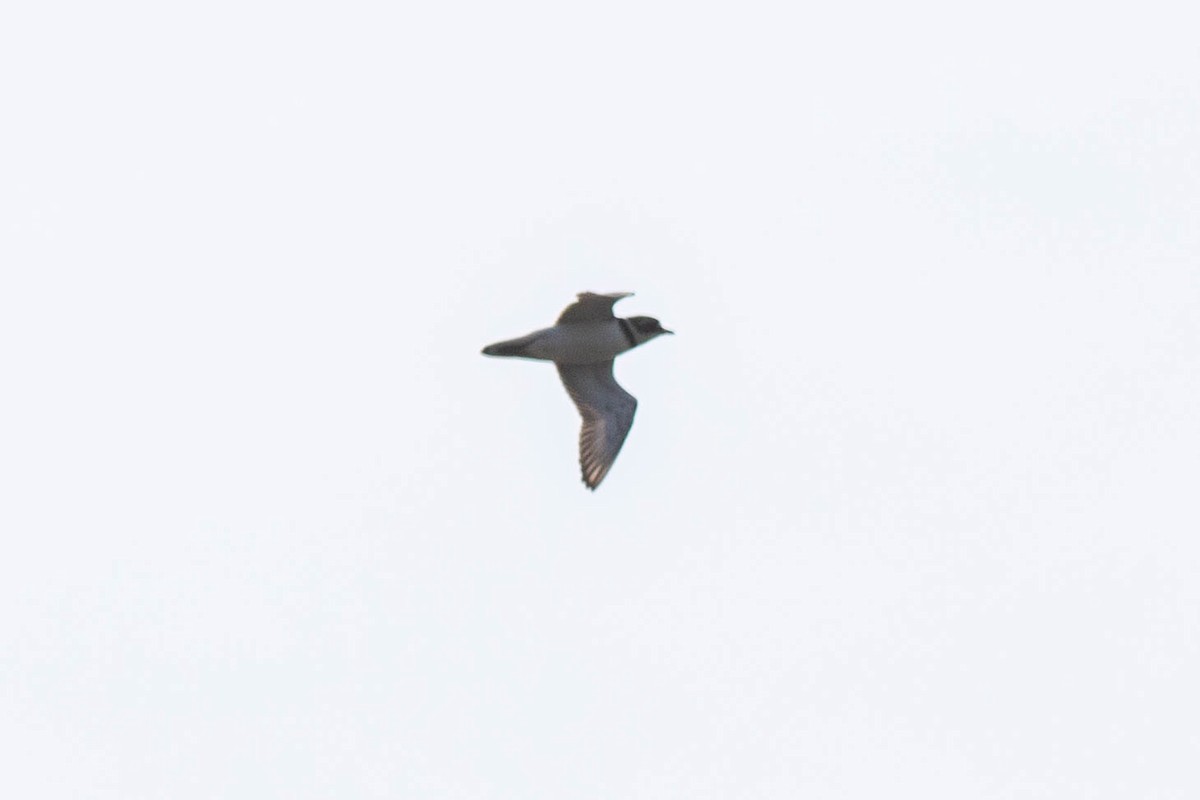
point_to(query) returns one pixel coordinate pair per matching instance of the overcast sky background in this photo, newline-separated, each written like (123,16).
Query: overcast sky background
(910,505)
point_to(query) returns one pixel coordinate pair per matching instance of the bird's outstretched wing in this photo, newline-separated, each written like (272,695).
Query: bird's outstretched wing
(607,412)
(591,307)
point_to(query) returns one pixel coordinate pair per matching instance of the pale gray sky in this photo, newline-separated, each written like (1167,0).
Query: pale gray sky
(909,507)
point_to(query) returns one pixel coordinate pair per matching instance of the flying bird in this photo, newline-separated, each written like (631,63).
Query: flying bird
(583,344)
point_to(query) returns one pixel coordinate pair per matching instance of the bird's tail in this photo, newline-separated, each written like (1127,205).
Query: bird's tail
(510,347)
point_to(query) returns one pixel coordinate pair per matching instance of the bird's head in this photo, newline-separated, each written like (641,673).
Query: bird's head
(646,328)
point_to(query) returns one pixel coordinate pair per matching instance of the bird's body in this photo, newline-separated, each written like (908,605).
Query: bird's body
(583,344)
(570,343)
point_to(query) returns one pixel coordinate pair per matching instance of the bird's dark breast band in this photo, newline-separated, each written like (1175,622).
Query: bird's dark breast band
(627,329)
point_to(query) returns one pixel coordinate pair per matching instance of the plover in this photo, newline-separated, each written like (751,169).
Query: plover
(582,344)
